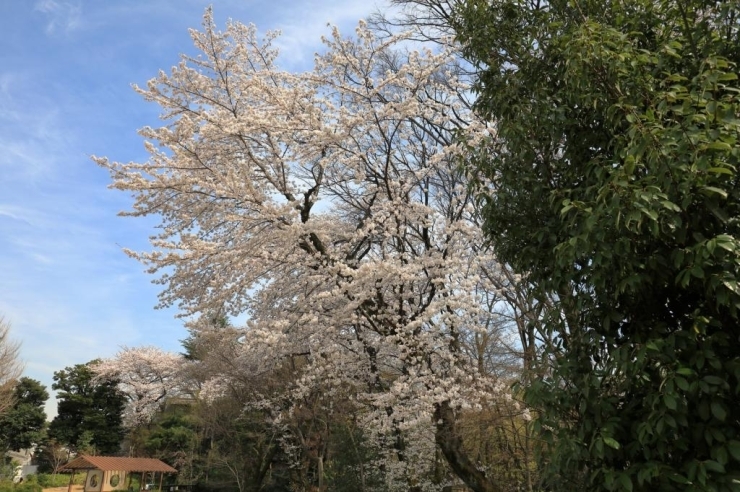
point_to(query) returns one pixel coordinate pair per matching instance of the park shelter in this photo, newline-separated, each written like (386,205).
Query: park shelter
(108,473)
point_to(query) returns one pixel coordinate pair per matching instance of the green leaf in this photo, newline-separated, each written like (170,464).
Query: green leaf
(682,383)
(679,478)
(715,190)
(670,205)
(734,448)
(727,76)
(720,170)
(712,465)
(732,285)
(670,401)
(714,380)
(718,411)
(625,481)
(720,454)
(650,213)
(612,443)
(726,242)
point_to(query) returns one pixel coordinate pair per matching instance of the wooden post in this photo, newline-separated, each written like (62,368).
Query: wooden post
(71,479)
(161,478)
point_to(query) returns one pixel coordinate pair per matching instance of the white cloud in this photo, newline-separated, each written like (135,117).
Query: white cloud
(13,212)
(302,25)
(63,16)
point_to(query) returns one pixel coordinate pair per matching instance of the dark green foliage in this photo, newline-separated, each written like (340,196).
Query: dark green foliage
(239,447)
(174,434)
(23,424)
(89,413)
(350,464)
(616,193)
(175,437)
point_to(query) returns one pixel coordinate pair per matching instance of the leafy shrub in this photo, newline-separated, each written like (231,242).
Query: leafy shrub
(58,480)
(7,486)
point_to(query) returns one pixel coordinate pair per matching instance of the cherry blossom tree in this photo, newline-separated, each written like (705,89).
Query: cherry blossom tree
(331,207)
(147,376)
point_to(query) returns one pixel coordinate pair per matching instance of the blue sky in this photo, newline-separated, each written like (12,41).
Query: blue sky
(69,292)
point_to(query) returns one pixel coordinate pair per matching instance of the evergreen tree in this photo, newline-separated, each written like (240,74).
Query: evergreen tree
(89,409)
(24,423)
(614,190)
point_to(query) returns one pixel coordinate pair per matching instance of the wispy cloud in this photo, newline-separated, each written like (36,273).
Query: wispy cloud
(303,24)
(30,125)
(64,16)
(14,213)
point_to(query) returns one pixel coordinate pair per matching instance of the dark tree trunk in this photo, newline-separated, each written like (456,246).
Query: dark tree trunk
(450,441)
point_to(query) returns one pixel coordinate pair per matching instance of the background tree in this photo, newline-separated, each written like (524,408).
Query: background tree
(613,187)
(148,376)
(11,367)
(51,455)
(176,438)
(89,411)
(24,423)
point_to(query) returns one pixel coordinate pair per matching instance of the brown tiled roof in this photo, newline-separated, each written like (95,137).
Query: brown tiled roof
(112,463)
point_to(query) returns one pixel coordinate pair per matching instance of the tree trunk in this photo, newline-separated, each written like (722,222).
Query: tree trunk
(321,472)
(450,441)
